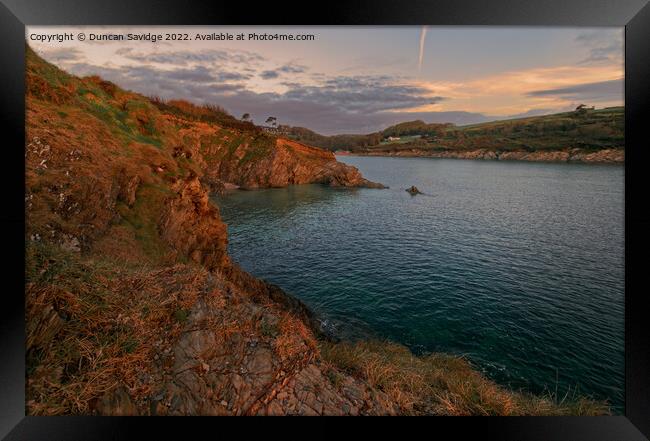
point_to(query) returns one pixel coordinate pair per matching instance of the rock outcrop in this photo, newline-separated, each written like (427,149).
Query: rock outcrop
(413,190)
(266,365)
(281,162)
(191,225)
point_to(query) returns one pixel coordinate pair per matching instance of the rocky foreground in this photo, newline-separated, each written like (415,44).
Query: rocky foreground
(133,306)
(235,356)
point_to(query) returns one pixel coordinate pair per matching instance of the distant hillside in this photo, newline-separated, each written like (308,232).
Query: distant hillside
(585,129)
(418,127)
(589,129)
(333,142)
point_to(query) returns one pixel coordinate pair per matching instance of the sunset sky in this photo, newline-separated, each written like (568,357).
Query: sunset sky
(361,79)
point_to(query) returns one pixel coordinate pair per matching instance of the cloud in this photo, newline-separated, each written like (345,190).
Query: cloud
(286,69)
(202,74)
(511,92)
(61,55)
(598,91)
(185,57)
(291,84)
(338,103)
(352,104)
(328,119)
(231,76)
(335,105)
(531,112)
(367,103)
(342,104)
(269,74)
(194,84)
(370,63)
(292,68)
(368,94)
(604,46)
(612,52)
(197,74)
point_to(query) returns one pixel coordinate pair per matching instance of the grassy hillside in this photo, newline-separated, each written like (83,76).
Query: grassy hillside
(587,129)
(333,142)
(591,129)
(417,127)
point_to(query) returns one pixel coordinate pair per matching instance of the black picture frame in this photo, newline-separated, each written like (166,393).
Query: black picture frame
(633,14)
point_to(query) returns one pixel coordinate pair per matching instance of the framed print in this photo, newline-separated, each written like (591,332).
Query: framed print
(427,209)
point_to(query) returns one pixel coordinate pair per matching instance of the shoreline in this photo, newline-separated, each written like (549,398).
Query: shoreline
(575,156)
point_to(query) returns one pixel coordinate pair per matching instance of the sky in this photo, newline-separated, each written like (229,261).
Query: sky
(358,79)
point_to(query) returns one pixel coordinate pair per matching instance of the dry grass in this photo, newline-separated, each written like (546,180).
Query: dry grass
(294,341)
(93,325)
(440,384)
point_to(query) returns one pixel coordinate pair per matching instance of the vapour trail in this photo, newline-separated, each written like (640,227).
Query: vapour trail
(423,34)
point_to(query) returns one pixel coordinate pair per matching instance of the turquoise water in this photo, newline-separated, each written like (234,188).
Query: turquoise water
(519,266)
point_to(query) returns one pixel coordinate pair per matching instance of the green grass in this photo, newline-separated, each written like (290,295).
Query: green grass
(46,263)
(181,315)
(121,122)
(129,346)
(259,148)
(234,143)
(52,74)
(269,329)
(142,218)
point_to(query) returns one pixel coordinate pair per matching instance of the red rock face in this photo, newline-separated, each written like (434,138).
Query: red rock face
(191,225)
(288,163)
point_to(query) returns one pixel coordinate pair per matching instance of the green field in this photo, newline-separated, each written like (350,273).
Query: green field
(401,140)
(586,129)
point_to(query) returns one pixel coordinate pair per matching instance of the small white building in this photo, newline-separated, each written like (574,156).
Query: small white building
(273,130)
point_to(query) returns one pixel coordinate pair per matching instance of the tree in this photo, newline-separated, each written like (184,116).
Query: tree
(581,109)
(272,120)
(246,116)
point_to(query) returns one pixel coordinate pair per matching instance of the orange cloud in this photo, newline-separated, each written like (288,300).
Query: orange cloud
(508,92)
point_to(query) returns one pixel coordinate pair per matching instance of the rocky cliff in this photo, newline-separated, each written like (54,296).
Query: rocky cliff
(133,306)
(118,178)
(278,163)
